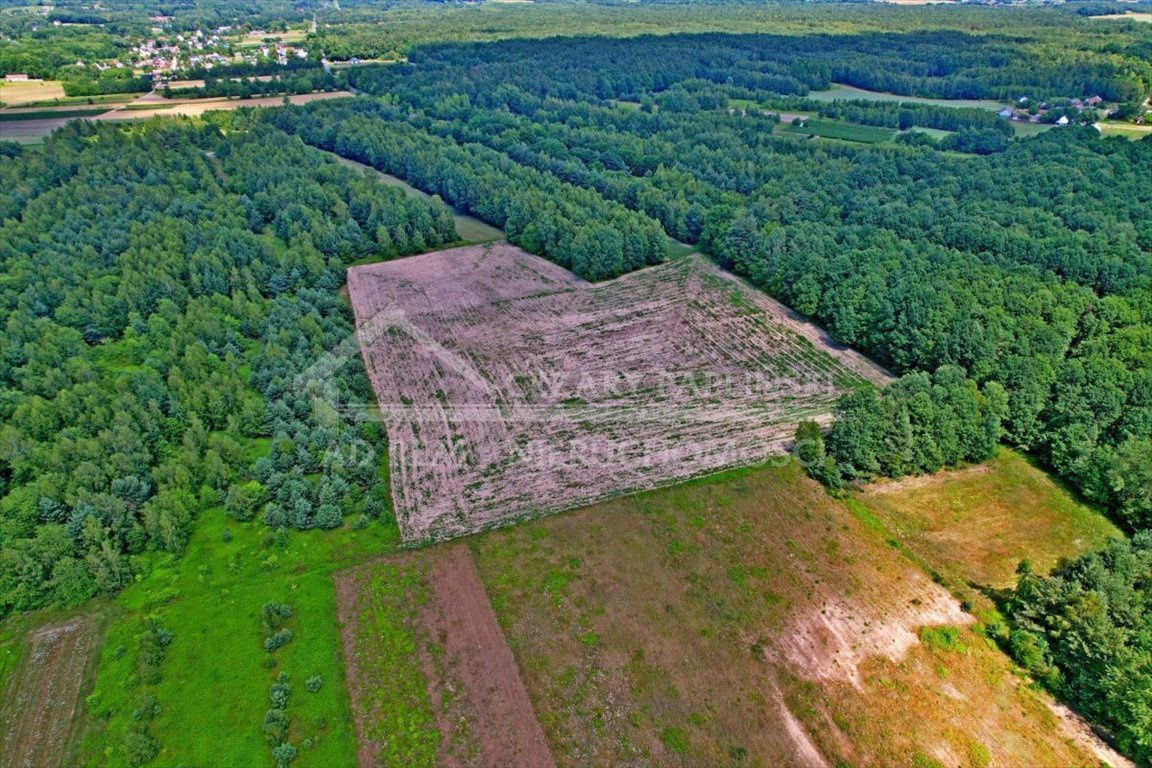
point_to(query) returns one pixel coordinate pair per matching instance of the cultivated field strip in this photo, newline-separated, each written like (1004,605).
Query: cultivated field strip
(512,389)
(42,700)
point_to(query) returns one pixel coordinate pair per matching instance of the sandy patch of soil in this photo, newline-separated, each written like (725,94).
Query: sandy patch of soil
(1077,729)
(831,642)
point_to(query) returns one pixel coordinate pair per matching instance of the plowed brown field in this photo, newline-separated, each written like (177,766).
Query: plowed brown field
(512,389)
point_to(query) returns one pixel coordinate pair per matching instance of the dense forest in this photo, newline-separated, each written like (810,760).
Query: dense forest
(575,227)
(165,290)
(1086,632)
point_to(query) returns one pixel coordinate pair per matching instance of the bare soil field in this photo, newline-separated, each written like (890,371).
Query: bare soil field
(512,389)
(41,700)
(29,131)
(196,107)
(750,619)
(464,689)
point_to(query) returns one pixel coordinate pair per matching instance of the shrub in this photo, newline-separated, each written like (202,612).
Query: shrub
(140,745)
(284,754)
(153,649)
(314,683)
(275,614)
(147,707)
(244,499)
(281,690)
(275,726)
(277,639)
(941,638)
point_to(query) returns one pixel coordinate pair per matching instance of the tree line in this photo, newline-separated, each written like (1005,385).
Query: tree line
(570,225)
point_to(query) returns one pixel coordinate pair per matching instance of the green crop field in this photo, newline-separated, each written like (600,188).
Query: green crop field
(839,91)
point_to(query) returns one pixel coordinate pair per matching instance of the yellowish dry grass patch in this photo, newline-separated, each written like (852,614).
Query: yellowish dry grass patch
(15,94)
(979,523)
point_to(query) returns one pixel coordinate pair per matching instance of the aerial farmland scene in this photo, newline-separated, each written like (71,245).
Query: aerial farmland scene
(565,383)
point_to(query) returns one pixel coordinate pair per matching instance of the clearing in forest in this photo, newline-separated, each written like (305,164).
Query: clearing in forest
(511,388)
(748,618)
(979,523)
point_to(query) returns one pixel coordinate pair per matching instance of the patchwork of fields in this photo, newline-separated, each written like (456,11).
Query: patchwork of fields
(512,389)
(745,618)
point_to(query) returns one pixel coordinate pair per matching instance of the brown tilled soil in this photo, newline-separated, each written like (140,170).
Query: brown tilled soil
(40,704)
(478,700)
(481,673)
(348,584)
(514,389)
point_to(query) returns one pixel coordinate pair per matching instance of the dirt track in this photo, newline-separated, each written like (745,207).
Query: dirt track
(502,723)
(478,699)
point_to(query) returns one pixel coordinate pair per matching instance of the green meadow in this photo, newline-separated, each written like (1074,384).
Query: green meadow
(215,678)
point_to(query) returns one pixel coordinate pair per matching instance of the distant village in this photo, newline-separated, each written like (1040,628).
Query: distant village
(1057,113)
(165,56)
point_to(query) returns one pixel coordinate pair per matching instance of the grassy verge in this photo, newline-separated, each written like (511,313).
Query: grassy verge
(388,641)
(51,114)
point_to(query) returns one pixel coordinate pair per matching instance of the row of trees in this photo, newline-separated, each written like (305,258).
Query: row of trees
(572,226)
(299,81)
(166,287)
(921,423)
